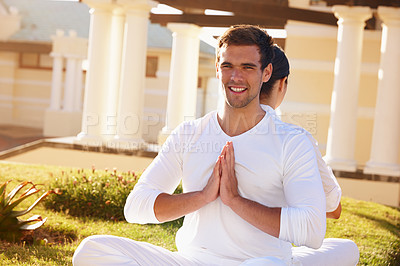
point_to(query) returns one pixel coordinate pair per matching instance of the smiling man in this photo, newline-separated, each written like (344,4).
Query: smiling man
(246,199)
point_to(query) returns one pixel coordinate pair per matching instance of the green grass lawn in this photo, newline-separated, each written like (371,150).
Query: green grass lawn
(374,227)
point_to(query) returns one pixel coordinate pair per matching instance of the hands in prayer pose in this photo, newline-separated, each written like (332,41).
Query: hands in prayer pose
(223,182)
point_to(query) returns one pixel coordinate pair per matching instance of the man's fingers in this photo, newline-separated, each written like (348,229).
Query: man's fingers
(224,167)
(232,157)
(227,159)
(223,152)
(228,153)
(217,167)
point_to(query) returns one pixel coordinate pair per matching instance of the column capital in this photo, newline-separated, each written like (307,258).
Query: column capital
(100,5)
(184,28)
(56,55)
(352,14)
(389,15)
(71,45)
(140,6)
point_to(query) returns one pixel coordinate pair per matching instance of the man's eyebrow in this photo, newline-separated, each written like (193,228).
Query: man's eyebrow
(249,64)
(243,64)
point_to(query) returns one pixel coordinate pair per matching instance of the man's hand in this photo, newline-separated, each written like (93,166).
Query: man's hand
(229,184)
(223,180)
(170,207)
(211,190)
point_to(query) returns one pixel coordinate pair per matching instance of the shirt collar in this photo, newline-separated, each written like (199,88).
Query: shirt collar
(268,109)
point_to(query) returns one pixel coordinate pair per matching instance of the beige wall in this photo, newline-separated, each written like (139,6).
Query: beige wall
(156,93)
(377,191)
(24,92)
(31,96)
(8,63)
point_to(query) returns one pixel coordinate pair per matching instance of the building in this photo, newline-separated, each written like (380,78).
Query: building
(26,68)
(343,87)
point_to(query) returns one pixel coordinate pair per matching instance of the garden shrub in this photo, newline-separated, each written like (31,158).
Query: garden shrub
(92,193)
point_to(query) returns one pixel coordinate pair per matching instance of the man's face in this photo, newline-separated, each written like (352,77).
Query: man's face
(239,70)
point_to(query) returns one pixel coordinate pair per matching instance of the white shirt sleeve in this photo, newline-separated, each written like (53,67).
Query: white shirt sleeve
(332,190)
(161,176)
(303,221)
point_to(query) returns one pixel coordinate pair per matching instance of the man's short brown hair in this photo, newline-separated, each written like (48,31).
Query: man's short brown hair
(248,35)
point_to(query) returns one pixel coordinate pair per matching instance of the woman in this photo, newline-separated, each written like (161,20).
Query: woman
(334,251)
(271,95)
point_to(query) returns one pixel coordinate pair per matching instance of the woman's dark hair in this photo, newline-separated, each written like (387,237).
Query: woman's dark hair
(248,35)
(280,69)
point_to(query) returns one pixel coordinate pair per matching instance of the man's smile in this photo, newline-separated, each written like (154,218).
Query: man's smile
(237,89)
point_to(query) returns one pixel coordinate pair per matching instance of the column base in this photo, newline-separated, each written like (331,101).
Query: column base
(382,168)
(89,140)
(58,123)
(126,144)
(341,164)
(163,135)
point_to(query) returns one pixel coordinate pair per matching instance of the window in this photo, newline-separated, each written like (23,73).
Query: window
(35,60)
(151,66)
(29,60)
(45,61)
(199,82)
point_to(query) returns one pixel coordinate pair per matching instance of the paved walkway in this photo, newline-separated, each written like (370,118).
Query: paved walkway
(62,152)
(12,136)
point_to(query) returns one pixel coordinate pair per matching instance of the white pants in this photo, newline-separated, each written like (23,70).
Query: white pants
(112,250)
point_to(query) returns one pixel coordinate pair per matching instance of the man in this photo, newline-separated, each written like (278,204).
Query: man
(251,185)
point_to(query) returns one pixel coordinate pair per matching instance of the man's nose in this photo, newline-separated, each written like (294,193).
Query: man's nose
(236,74)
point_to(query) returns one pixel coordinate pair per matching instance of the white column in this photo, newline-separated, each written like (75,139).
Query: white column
(200,98)
(133,71)
(94,118)
(342,127)
(56,81)
(182,87)
(212,95)
(386,135)
(78,86)
(114,69)
(69,88)
(66,121)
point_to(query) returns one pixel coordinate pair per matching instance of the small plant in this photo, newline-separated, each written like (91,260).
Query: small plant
(92,193)
(11,227)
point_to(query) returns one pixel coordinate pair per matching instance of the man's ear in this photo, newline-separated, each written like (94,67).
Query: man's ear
(216,70)
(267,73)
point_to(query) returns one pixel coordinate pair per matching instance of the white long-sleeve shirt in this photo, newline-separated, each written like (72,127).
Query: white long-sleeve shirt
(275,165)
(333,192)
